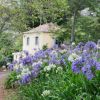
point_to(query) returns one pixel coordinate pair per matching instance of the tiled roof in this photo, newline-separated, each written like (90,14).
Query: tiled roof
(48,27)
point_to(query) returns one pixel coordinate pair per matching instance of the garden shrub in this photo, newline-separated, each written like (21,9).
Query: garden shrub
(54,74)
(2,62)
(45,47)
(63,85)
(11,79)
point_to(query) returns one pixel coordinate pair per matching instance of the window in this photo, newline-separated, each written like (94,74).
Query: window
(28,39)
(36,40)
(58,43)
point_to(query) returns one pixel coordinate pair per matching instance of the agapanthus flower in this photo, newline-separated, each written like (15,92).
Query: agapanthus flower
(59,69)
(16,67)
(15,62)
(63,51)
(83,60)
(37,67)
(77,65)
(73,57)
(48,51)
(63,62)
(54,53)
(73,43)
(34,58)
(80,45)
(90,46)
(49,67)
(25,78)
(11,66)
(97,65)
(26,52)
(89,75)
(34,73)
(85,55)
(85,69)
(53,60)
(27,60)
(89,68)
(46,93)
(91,62)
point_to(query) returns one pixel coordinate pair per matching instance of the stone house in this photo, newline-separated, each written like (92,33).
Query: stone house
(36,38)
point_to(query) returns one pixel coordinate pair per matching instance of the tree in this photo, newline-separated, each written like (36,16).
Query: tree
(9,25)
(75,6)
(42,11)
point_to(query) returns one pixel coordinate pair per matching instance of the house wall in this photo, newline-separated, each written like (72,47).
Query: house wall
(44,38)
(17,55)
(47,39)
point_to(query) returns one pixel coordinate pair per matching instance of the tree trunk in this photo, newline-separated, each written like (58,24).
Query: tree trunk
(73,27)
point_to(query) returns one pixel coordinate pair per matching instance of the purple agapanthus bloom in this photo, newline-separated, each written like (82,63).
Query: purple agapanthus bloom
(85,55)
(97,65)
(27,60)
(48,51)
(34,58)
(18,70)
(53,60)
(85,69)
(92,62)
(34,73)
(90,46)
(80,46)
(39,54)
(89,75)
(37,66)
(77,65)
(63,62)
(36,69)
(58,62)
(11,66)
(14,62)
(25,79)
(26,52)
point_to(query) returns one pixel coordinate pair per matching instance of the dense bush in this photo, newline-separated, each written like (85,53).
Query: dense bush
(2,62)
(5,60)
(61,85)
(45,47)
(11,80)
(55,74)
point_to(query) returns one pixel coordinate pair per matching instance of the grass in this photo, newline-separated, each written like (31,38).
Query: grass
(11,94)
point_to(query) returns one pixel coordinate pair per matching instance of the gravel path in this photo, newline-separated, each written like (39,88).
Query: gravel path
(3,92)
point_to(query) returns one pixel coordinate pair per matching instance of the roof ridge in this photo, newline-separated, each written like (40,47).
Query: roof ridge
(47,27)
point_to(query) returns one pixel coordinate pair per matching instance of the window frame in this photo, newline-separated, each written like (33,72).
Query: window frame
(36,40)
(28,41)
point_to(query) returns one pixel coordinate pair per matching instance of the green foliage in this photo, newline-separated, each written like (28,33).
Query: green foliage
(2,62)
(6,45)
(18,43)
(10,23)
(37,12)
(63,85)
(87,29)
(45,47)
(10,81)
(62,35)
